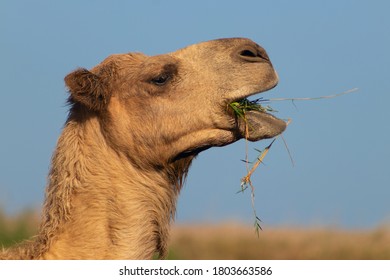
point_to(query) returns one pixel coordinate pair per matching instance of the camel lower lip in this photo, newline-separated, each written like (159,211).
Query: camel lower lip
(260,125)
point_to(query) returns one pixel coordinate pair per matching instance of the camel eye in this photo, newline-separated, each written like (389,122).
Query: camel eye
(160,80)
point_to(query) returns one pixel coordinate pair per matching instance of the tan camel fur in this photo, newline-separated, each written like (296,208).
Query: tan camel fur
(135,124)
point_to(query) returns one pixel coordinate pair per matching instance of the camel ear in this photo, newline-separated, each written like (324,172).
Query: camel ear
(88,89)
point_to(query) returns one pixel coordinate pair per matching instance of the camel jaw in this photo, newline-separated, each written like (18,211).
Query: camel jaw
(259,125)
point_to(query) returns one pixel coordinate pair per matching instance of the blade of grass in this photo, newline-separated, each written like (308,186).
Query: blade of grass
(315,98)
(288,151)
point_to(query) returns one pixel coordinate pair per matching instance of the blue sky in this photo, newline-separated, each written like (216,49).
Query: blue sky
(340,146)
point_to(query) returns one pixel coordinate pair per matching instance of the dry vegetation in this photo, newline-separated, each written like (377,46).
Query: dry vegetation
(232,241)
(240,242)
(17,228)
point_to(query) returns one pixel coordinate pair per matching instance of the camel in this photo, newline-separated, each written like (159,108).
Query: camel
(135,124)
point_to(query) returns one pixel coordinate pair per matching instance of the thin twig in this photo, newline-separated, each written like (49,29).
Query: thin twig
(288,151)
(247,177)
(246,180)
(314,98)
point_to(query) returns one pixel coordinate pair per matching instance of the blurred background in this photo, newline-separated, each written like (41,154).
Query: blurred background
(340,183)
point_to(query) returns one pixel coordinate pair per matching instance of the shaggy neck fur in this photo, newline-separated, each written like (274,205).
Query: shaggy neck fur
(98,205)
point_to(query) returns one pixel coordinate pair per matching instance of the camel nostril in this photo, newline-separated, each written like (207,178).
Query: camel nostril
(253,55)
(247,53)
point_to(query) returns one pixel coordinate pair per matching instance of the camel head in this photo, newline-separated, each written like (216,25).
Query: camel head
(135,124)
(158,109)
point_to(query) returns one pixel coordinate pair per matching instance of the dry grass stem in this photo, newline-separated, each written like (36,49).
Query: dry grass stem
(240,108)
(246,180)
(254,105)
(315,98)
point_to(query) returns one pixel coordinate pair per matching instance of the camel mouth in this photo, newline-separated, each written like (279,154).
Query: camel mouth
(253,121)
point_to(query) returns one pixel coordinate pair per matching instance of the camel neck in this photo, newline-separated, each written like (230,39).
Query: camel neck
(98,205)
